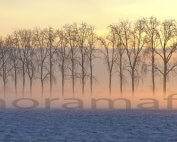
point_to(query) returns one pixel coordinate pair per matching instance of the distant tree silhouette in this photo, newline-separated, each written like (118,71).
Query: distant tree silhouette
(92,54)
(134,44)
(168,46)
(71,33)
(120,51)
(51,38)
(5,66)
(151,29)
(109,55)
(83,33)
(42,54)
(144,46)
(62,56)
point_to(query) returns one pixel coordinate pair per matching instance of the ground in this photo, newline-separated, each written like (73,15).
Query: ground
(88,126)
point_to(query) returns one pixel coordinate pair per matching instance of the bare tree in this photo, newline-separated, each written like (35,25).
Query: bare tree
(23,38)
(42,54)
(151,29)
(12,44)
(71,33)
(134,41)
(92,55)
(62,56)
(31,66)
(167,39)
(5,66)
(109,55)
(51,40)
(120,50)
(83,32)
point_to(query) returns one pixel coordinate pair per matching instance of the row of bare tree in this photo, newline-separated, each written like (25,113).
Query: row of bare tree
(41,54)
(146,45)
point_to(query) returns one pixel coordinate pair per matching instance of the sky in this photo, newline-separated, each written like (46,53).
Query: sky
(19,14)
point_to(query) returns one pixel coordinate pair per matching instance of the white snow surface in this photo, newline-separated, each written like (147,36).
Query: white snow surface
(88,126)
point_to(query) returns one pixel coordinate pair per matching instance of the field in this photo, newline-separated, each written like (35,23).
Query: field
(87,126)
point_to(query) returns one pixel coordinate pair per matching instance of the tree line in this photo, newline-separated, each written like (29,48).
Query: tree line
(129,48)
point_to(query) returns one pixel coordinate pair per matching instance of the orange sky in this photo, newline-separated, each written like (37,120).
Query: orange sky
(15,14)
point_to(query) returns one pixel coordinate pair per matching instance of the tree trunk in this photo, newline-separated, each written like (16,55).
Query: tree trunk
(153,74)
(63,82)
(50,74)
(164,84)
(83,72)
(165,79)
(42,82)
(73,84)
(73,75)
(121,76)
(110,83)
(15,74)
(133,82)
(23,91)
(51,77)
(91,80)
(153,65)
(42,88)
(83,85)
(4,89)
(31,85)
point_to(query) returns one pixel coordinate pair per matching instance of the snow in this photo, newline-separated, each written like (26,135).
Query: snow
(88,126)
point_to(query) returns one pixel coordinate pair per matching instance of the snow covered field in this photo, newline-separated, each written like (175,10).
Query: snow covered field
(87,126)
